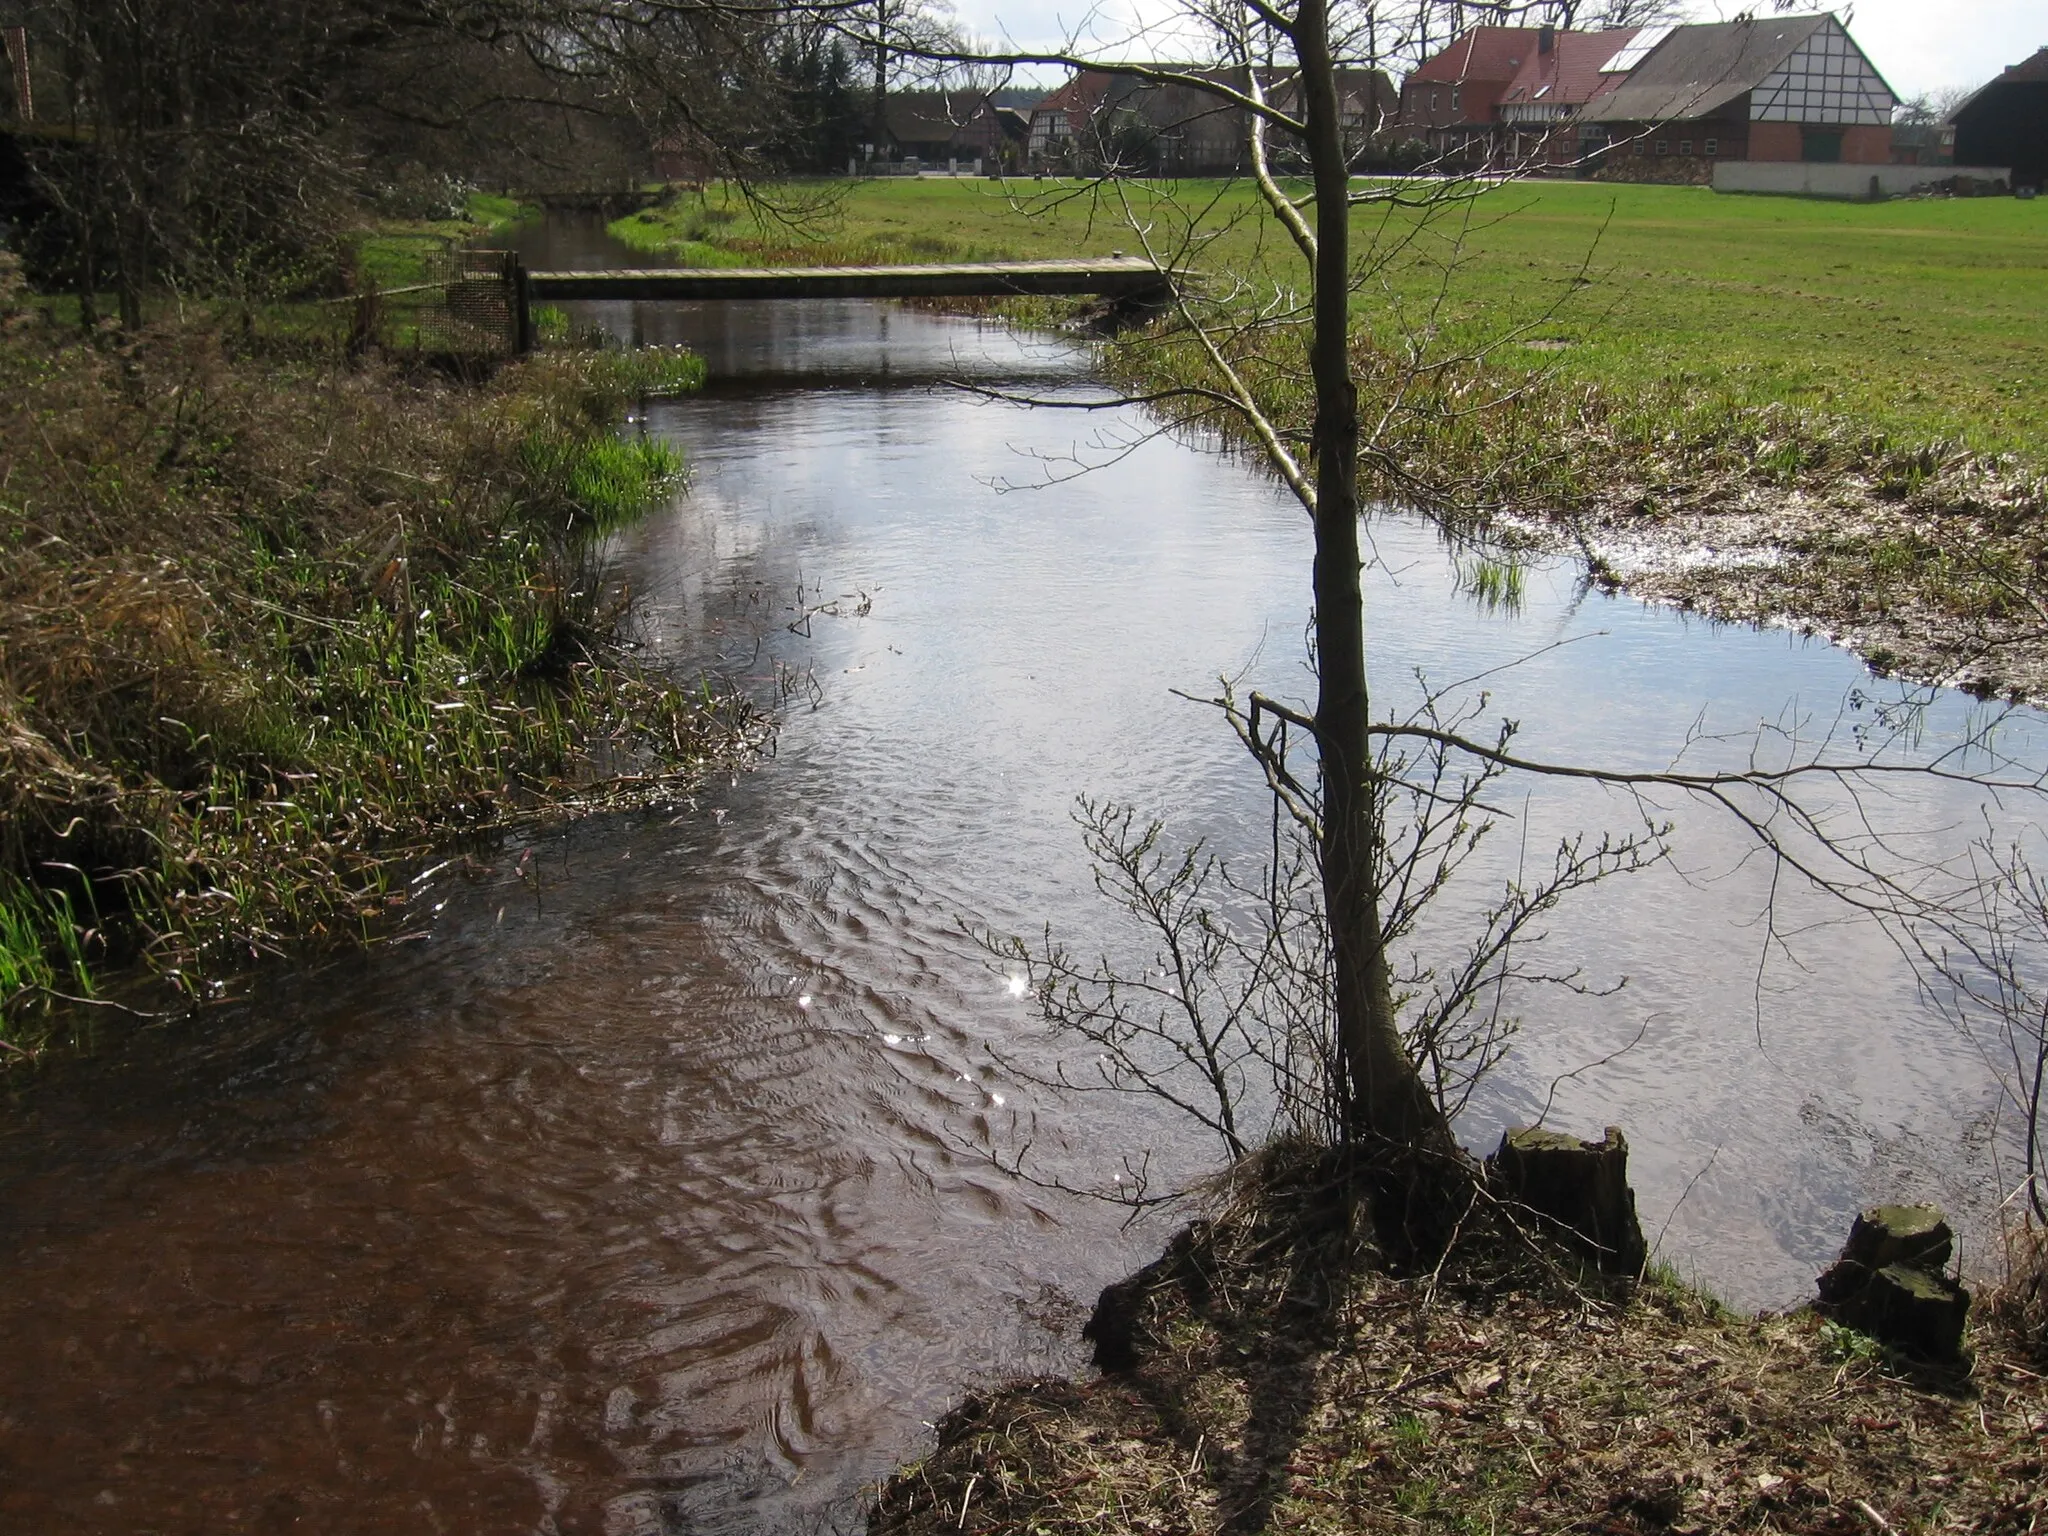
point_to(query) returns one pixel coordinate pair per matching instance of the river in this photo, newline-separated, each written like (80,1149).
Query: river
(663,1185)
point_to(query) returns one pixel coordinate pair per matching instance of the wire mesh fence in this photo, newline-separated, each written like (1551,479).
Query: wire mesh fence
(477,311)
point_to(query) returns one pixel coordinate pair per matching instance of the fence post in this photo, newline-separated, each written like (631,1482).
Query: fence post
(522,310)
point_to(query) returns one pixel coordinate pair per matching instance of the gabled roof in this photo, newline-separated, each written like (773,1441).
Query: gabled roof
(2035,68)
(1697,70)
(2031,69)
(1569,74)
(1080,95)
(930,118)
(1484,53)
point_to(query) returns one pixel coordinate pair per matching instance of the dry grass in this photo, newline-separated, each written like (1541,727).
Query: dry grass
(271,626)
(1281,1389)
(2020,1305)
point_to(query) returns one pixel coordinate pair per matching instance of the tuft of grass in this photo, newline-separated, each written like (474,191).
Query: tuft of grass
(1498,585)
(2020,1302)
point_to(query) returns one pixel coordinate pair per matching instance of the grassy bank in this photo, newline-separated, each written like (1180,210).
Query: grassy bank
(272,625)
(1286,1382)
(1849,402)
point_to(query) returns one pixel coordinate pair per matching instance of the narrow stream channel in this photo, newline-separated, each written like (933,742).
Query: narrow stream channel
(667,1197)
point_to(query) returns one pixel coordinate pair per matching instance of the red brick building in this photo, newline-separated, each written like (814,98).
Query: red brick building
(1451,102)
(1175,129)
(1544,105)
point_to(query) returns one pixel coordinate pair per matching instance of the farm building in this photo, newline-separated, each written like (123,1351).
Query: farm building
(938,127)
(1758,88)
(1544,108)
(2006,123)
(1662,103)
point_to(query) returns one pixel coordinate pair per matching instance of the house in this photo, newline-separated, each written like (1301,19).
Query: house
(1541,111)
(1661,103)
(2006,123)
(1060,123)
(1099,119)
(1923,143)
(1451,101)
(1780,88)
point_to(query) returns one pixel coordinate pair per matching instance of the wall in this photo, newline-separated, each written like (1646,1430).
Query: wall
(1774,141)
(1843,180)
(1861,143)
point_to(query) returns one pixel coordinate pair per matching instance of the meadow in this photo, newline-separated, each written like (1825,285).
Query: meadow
(1921,320)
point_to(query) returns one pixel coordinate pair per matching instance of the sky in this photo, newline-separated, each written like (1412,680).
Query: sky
(1917,45)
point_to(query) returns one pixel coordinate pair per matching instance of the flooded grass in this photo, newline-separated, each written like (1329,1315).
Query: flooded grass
(271,627)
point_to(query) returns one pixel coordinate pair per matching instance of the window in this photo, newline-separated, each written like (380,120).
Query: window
(1456,92)
(1713,146)
(1685,146)
(1638,151)
(1663,146)
(1436,101)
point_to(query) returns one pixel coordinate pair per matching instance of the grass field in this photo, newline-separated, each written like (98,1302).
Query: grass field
(1923,320)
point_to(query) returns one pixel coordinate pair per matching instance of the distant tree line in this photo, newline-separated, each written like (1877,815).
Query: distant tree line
(222,145)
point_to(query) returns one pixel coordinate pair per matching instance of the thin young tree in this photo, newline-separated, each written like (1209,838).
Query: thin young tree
(1279,66)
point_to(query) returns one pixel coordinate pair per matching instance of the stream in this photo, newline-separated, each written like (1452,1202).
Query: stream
(670,1186)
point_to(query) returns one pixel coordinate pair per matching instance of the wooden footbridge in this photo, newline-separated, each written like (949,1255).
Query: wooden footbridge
(490,303)
(1116,277)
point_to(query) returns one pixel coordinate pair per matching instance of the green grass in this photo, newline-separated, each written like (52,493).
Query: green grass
(395,253)
(1918,320)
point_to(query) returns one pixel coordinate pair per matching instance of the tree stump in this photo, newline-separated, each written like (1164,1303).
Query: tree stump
(1890,1282)
(1579,1188)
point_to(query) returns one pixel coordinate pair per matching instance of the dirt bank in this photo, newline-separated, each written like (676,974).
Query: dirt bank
(1300,1388)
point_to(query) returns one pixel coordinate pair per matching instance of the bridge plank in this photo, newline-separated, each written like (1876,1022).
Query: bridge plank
(1112,277)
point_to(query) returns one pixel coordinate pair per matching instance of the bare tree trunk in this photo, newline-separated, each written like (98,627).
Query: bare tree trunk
(1385,1098)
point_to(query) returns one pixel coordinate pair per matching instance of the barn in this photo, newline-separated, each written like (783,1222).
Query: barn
(2006,123)
(1784,88)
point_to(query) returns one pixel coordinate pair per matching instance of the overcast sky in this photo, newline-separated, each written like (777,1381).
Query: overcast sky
(1917,45)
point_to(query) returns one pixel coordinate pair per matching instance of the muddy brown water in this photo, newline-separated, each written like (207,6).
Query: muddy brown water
(661,1185)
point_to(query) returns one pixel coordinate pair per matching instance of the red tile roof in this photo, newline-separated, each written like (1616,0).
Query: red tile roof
(1484,53)
(1082,94)
(1571,69)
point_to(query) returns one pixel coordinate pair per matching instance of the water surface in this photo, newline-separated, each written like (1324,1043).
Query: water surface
(671,1184)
